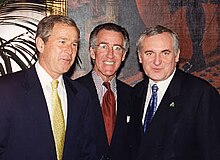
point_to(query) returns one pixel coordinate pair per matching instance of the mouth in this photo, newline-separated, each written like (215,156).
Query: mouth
(156,69)
(109,62)
(66,59)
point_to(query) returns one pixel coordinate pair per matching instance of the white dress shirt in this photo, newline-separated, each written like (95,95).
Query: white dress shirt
(45,80)
(162,87)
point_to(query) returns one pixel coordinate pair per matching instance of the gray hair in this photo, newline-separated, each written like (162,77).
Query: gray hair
(158,29)
(109,27)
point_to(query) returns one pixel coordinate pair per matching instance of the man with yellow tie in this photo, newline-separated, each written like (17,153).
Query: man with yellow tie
(43,114)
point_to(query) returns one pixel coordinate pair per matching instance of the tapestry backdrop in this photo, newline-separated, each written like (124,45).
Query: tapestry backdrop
(197,23)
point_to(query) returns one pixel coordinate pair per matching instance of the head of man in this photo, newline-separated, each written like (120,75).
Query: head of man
(108,44)
(57,39)
(158,51)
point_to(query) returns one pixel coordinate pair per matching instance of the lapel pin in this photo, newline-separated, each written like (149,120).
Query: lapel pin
(172,104)
(128,119)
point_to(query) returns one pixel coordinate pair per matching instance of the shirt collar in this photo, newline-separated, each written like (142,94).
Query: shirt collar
(45,78)
(98,81)
(162,85)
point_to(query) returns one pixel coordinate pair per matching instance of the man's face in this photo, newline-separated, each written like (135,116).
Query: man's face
(58,53)
(107,61)
(157,56)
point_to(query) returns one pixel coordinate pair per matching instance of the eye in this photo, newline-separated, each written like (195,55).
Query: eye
(147,53)
(103,46)
(62,41)
(75,44)
(117,48)
(166,53)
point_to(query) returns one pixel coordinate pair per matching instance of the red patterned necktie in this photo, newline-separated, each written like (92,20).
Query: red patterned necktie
(108,111)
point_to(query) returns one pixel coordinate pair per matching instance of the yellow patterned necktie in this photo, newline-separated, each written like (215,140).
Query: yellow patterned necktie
(58,124)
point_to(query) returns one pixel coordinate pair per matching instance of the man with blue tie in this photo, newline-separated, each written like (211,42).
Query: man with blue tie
(43,114)
(175,115)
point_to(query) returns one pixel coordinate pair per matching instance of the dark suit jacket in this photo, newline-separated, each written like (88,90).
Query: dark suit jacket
(119,147)
(25,128)
(186,125)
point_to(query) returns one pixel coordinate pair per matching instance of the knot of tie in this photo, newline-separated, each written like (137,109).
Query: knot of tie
(154,89)
(54,84)
(107,85)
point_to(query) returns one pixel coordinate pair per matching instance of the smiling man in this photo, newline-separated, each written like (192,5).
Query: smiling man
(44,114)
(175,115)
(109,43)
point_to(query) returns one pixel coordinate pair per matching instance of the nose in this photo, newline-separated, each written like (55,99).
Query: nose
(110,52)
(69,49)
(157,59)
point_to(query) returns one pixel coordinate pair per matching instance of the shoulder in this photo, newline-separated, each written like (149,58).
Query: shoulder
(12,76)
(141,84)
(14,79)
(193,82)
(84,79)
(122,85)
(76,86)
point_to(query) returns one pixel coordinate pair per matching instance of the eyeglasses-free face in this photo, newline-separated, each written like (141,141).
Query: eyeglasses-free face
(158,56)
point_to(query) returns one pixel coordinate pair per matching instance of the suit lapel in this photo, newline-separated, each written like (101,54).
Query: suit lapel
(73,114)
(122,111)
(162,121)
(37,106)
(140,101)
(36,100)
(99,121)
(162,126)
(168,101)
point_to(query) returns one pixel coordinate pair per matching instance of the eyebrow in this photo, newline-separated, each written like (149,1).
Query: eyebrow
(75,40)
(166,50)
(113,44)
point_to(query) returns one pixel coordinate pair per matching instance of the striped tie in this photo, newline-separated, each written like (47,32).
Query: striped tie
(151,108)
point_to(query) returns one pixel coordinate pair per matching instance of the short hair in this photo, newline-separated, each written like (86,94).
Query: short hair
(45,26)
(158,29)
(110,27)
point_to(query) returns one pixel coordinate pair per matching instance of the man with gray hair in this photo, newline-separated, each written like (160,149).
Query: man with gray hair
(108,44)
(175,114)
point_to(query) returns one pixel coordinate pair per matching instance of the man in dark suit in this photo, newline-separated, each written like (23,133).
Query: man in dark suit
(108,44)
(28,114)
(184,121)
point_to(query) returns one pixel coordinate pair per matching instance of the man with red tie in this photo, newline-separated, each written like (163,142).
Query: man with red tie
(108,44)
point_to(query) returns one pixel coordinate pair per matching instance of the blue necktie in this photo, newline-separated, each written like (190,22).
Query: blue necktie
(151,108)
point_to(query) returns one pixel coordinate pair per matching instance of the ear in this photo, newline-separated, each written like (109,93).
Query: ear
(92,52)
(123,56)
(40,44)
(139,57)
(177,56)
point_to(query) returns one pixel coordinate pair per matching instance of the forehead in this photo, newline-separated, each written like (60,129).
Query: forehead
(158,42)
(63,28)
(109,36)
